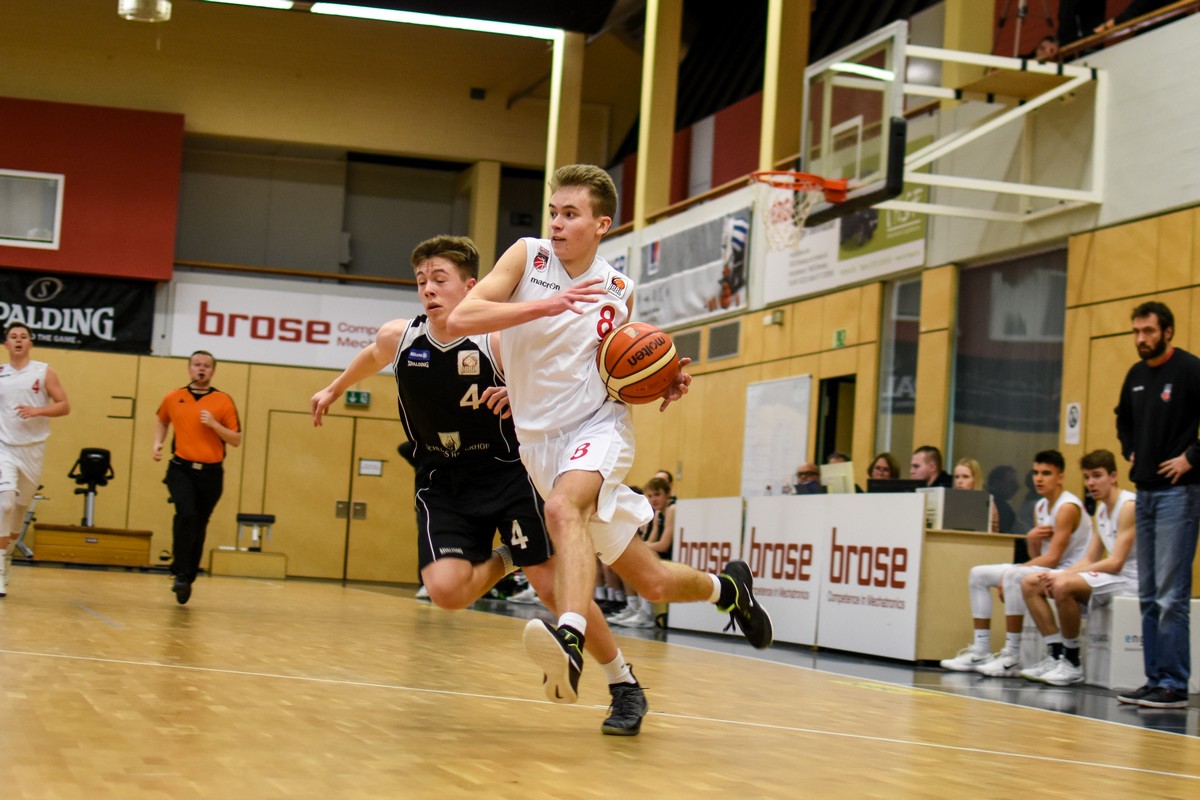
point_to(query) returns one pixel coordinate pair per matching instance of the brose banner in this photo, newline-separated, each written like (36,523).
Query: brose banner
(80,312)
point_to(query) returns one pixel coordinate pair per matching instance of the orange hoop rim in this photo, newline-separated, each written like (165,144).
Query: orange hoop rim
(833,188)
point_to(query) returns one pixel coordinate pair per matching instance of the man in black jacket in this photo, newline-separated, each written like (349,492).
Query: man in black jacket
(1158,420)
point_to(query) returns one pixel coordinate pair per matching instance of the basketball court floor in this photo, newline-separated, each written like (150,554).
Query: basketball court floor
(304,689)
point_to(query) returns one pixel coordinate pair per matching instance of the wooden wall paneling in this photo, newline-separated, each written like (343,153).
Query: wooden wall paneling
(1110,359)
(866,403)
(870,313)
(1195,261)
(931,418)
(1075,381)
(99,387)
(308,476)
(806,327)
(1175,250)
(1080,250)
(1124,260)
(840,312)
(776,339)
(382,547)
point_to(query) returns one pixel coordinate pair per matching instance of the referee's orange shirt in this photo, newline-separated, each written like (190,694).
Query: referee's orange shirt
(195,441)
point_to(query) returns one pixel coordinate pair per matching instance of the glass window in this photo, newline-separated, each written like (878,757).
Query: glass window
(30,209)
(1008,374)
(898,370)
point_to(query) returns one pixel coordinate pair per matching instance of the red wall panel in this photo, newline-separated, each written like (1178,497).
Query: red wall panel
(121,193)
(735,139)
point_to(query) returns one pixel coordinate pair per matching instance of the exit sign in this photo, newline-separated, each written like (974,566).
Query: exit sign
(354,398)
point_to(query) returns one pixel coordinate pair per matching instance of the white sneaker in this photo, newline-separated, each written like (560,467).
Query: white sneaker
(1038,671)
(642,618)
(526,597)
(616,617)
(1064,674)
(5,568)
(967,660)
(1001,665)
(422,593)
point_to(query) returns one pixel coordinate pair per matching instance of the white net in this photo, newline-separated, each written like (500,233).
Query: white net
(783,212)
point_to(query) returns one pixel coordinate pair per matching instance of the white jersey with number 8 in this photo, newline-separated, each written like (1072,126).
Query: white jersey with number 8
(550,362)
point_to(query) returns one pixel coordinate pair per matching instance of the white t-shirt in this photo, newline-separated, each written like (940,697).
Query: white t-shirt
(1107,528)
(1076,547)
(550,362)
(23,387)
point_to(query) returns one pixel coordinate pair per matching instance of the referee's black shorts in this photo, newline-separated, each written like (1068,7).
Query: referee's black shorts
(461,508)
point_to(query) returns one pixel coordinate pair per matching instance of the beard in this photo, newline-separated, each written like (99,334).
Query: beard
(1151,353)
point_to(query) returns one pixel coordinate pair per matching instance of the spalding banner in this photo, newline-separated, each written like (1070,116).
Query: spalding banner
(79,312)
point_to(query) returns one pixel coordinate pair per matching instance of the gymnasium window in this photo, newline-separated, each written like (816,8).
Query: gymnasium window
(1008,371)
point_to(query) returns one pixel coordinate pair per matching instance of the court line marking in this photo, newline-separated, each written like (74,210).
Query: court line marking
(80,605)
(669,715)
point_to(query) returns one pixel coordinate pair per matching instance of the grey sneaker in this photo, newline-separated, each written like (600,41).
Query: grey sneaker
(627,710)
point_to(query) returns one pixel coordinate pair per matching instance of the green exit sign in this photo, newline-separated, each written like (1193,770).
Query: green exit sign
(839,337)
(358,399)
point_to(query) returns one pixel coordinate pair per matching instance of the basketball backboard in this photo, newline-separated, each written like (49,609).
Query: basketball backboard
(852,120)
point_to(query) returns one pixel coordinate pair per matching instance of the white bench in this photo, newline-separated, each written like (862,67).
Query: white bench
(1112,655)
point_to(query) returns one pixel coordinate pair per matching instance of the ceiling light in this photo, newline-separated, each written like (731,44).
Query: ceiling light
(437,21)
(144,10)
(862,69)
(281,5)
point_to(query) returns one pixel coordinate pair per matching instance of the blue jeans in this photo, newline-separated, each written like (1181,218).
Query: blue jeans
(1168,521)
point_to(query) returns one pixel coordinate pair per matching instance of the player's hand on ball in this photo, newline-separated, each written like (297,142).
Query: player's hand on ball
(496,398)
(679,388)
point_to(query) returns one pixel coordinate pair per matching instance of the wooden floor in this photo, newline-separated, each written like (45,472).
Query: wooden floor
(290,689)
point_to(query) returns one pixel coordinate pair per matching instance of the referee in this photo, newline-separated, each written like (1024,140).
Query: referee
(205,420)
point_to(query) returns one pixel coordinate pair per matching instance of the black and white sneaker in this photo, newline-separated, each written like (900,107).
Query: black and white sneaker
(627,710)
(1132,698)
(1162,697)
(559,652)
(750,617)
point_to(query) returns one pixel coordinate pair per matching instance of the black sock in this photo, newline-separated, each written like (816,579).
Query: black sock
(728,592)
(1056,650)
(1072,654)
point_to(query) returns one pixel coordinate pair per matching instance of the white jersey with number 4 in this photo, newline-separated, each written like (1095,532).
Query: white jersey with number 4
(23,387)
(550,362)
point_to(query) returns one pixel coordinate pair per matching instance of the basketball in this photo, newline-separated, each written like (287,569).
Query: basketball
(637,363)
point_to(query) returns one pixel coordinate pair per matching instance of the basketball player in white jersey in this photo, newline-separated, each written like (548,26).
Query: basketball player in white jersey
(555,299)
(470,481)
(30,394)
(1058,540)
(1094,580)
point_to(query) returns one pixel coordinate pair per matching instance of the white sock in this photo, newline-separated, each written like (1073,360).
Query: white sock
(1012,643)
(618,671)
(1054,638)
(716,592)
(983,640)
(573,620)
(601,593)
(1071,644)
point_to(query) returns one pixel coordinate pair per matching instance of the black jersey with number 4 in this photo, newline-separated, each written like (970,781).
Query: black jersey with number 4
(441,390)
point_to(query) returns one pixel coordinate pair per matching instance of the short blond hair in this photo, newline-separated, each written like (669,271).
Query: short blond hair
(458,250)
(976,470)
(598,183)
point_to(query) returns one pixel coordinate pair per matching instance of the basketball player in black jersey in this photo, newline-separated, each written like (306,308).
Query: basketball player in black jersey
(470,480)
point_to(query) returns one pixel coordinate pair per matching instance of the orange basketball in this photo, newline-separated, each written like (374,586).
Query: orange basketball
(637,363)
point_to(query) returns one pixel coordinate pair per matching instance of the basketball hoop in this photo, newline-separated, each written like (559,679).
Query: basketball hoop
(785,199)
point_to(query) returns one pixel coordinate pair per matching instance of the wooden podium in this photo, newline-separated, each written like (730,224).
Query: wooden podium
(83,545)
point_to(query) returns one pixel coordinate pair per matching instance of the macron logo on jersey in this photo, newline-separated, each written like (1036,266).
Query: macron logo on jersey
(554,287)
(542,259)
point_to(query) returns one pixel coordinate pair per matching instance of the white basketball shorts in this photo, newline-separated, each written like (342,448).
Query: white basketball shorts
(602,443)
(21,469)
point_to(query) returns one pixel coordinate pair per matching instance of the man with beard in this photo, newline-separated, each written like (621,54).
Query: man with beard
(1158,419)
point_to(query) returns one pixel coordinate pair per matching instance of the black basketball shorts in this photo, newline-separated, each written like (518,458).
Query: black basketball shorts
(460,509)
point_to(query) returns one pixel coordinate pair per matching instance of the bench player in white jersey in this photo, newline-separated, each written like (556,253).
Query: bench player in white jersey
(470,481)
(555,299)
(1108,569)
(30,394)
(1058,540)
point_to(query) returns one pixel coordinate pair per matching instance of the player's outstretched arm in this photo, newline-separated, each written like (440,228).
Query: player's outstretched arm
(487,306)
(369,361)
